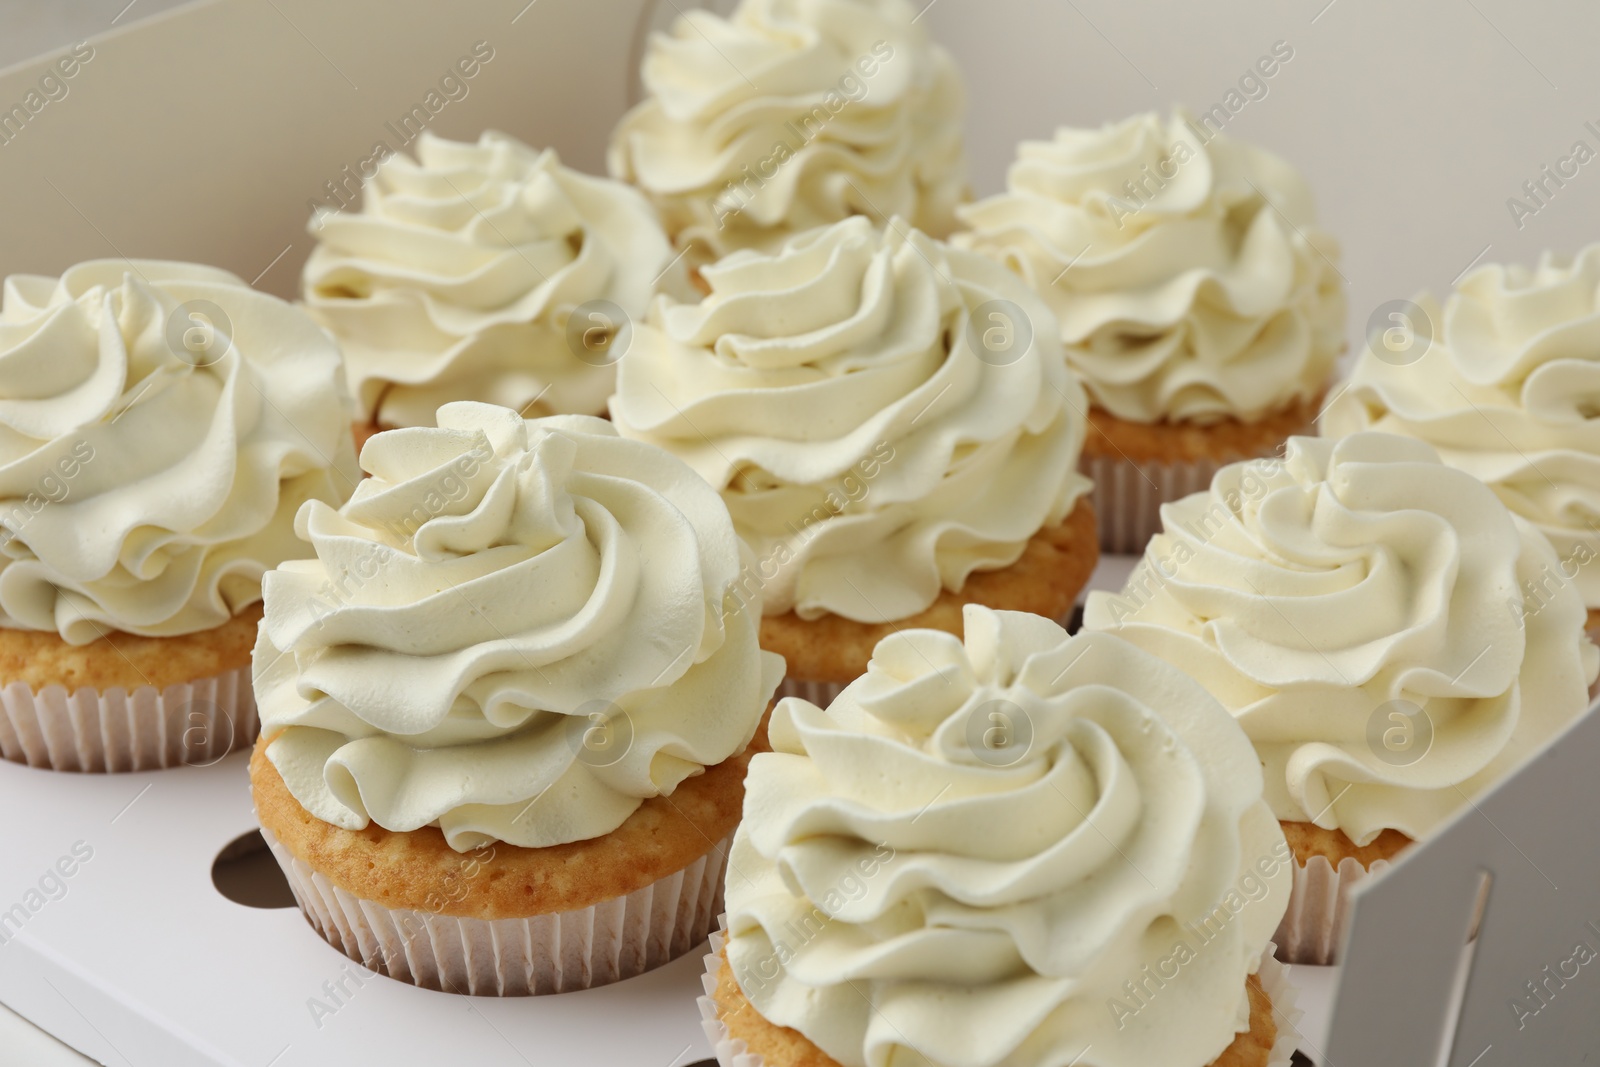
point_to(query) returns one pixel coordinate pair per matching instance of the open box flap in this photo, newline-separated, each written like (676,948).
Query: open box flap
(1530,850)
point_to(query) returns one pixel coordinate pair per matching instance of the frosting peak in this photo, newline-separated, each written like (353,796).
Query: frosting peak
(1005,831)
(1359,608)
(871,444)
(458,278)
(160,424)
(1504,380)
(1185,267)
(791,114)
(497,587)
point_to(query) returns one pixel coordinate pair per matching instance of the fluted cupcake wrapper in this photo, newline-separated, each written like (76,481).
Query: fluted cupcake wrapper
(731,1051)
(819,693)
(554,953)
(192,724)
(1319,909)
(1285,1007)
(1128,496)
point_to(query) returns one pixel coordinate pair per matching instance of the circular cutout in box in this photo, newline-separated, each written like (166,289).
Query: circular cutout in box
(245,872)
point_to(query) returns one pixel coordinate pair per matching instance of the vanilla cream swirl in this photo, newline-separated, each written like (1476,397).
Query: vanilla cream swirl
(1185,267)
(160,425)
(1508,389)
(1320,596)
(975,851)
(791,114)
(841,395)
(515,630)
(457,279)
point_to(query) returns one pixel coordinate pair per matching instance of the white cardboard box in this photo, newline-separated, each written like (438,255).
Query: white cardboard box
(205,134)
(143,962)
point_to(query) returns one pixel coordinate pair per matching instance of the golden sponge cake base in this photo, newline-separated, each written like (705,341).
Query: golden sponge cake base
(1046,580)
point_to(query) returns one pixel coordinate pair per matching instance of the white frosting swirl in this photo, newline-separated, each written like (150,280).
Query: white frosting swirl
(458,276)
(1319,596)
(497,591)
(1185,269)
(979,849)
(1508,390)
(792,114)
(869,452)
(153,452)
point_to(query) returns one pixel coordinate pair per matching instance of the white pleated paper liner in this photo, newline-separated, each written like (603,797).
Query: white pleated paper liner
(1128,496)
(193,724)
(1286,1011)
(819,693)
(1319,909)
(555,953)
(732,1052)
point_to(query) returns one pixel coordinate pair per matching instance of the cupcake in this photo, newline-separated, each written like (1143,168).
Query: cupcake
(1358,607)
(785,116)
(1505,382)
(1196,297)
(161,425)
(893,428)
(488,272)
(1020,849)
(506,707)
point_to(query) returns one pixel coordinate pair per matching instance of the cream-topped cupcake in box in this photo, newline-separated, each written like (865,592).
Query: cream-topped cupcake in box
(788,115)
(1504,380)
(1008,849)
(893,427)
(484,271)
(1196,296)
(507,706)
(1360,608)
(160,425)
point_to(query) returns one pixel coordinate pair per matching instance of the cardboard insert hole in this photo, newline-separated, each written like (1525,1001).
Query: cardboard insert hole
(245,872)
